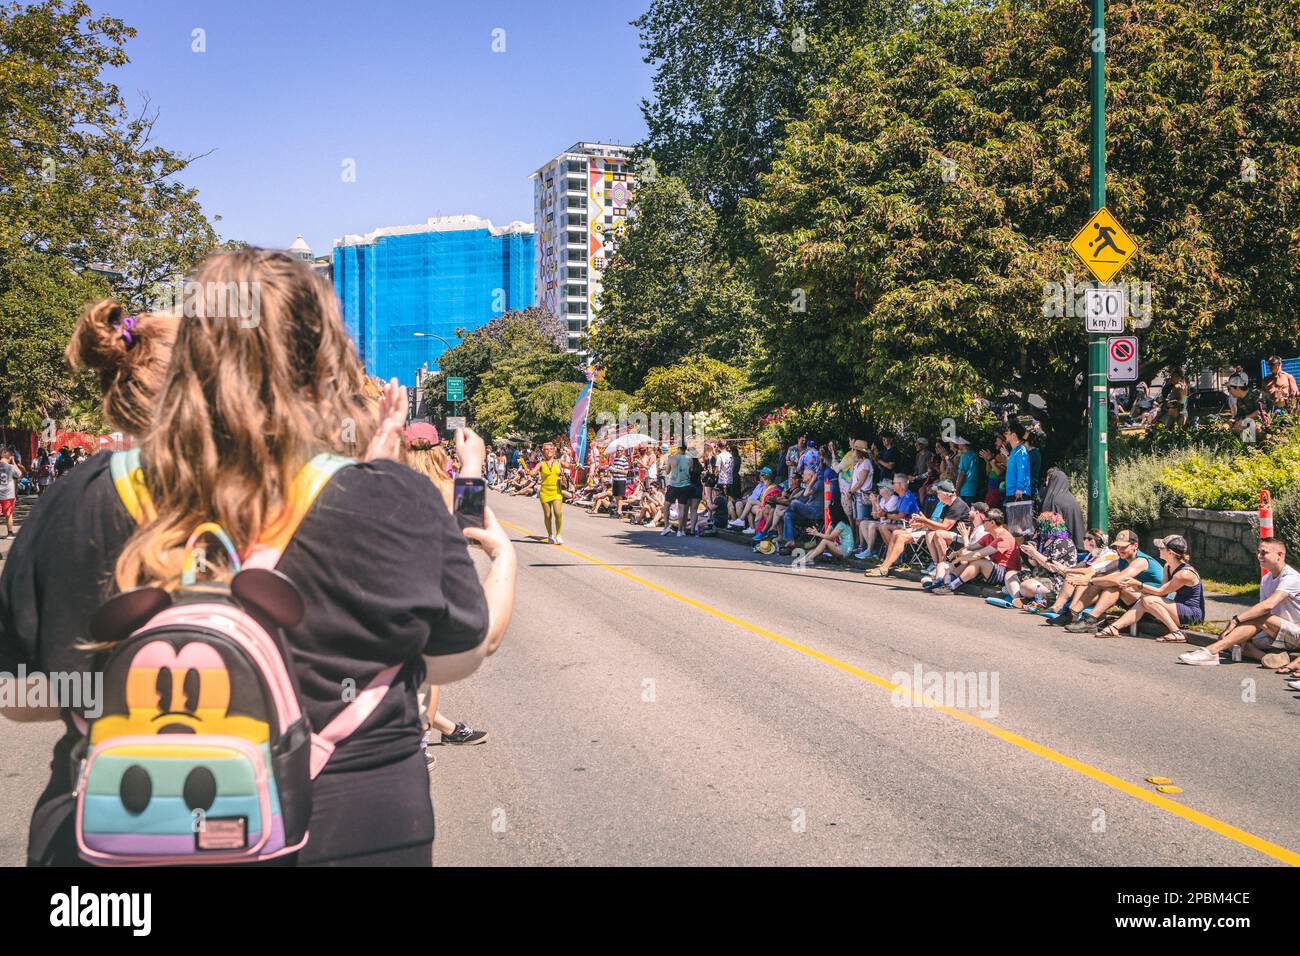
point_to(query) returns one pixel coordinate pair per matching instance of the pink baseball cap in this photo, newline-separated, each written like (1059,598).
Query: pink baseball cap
(422,431)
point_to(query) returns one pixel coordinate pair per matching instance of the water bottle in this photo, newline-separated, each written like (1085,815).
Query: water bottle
(1236,653)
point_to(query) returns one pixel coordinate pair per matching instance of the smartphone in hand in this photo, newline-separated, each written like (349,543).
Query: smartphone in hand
(469,498)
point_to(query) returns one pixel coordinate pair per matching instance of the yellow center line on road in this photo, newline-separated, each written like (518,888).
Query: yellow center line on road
(1213,824)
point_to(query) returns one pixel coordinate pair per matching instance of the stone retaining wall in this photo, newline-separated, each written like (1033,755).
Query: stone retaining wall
(1222,541)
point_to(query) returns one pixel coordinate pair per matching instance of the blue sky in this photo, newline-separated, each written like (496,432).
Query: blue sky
(437,123)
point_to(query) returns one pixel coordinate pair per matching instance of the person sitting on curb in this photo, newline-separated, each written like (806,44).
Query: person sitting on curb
(751,507)
(1267,629)
(992,561)
(978,537)
(896,524)
(880,503)
(947,530)
(805,506)
(1049,558)
(938,530)
(1181,580)
(1106,589)
(772,516)
(837,541)
(1101,559)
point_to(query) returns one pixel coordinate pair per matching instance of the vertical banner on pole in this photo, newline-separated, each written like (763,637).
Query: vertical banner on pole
(578,422)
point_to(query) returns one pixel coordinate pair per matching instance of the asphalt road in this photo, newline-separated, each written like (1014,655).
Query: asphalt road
(683,701)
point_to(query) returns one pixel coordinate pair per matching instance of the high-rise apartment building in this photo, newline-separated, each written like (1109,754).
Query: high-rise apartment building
(406,289)
(581,200)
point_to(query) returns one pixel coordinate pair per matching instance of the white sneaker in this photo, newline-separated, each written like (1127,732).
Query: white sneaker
(681,534)
(1293,684)
(559,540)
(550,539)
(1200,657)
(735,523)
(668,529)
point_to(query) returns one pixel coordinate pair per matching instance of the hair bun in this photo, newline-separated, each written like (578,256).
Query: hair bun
(97,342)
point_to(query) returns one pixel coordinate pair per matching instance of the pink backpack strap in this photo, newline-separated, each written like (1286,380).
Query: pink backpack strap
(349,719)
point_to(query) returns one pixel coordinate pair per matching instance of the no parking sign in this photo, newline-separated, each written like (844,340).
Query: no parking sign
(1122,353)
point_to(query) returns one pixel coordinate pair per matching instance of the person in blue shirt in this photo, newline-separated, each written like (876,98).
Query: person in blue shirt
(1018,479)
(968,479)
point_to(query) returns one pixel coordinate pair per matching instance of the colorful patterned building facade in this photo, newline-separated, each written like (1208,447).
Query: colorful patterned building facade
(581,203)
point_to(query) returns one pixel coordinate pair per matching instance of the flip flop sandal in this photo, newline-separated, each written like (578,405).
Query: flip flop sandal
(998,601)
(1170,639)
(1110,630)
(876,573)
(1050,615)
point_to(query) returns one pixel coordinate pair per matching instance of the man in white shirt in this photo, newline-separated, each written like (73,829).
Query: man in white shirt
(1270,629)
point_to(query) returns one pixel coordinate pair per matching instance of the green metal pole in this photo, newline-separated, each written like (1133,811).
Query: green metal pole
(1098,499)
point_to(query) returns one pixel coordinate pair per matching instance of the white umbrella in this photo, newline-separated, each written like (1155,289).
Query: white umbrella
(628,441)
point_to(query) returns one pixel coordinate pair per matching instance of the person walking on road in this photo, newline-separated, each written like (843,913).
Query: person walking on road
(551,470)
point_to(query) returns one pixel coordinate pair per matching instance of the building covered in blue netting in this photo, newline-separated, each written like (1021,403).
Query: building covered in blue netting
(404,289)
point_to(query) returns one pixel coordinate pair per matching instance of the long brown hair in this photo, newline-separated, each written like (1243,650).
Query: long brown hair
(130,372)
(250,396)
(431,461)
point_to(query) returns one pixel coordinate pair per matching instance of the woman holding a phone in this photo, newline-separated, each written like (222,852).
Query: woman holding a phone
(549,468)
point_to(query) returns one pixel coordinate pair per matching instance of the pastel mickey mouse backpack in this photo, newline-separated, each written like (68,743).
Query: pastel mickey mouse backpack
(202,752)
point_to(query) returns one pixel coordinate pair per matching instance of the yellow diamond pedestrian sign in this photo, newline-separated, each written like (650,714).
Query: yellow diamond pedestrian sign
(1103,245)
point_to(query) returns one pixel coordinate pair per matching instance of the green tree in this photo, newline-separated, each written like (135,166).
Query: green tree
(728,75)
(696,383)
(923,205)
(670,290)
(80,183)
(520,337)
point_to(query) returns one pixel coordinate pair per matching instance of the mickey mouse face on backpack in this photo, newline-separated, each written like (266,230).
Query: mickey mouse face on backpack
(180,682)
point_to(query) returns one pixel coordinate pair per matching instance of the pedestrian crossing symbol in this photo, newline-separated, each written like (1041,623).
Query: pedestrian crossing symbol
(1103,245)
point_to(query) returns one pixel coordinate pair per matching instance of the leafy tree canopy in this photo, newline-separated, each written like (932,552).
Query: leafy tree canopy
(925,289)
(670,290)
(80,183)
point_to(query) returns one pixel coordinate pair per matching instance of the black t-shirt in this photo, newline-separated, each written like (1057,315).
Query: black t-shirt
(383,569)
(888,463)
(958,512)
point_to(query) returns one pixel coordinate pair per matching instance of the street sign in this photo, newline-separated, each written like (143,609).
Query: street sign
(1107,309)
(1122,351)
(1103,245)
(455,389)
(454,422)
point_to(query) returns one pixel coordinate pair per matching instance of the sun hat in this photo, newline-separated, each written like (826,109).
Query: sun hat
(1238,380)
(884,483)
(1125,537)
(765,470)
(958,441)
(946,486)
(765,546)
(923,441)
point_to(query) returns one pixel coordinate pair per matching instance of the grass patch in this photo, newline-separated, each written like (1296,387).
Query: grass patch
(1232,587)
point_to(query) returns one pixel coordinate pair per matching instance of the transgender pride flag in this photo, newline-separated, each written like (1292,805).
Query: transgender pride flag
(578,424)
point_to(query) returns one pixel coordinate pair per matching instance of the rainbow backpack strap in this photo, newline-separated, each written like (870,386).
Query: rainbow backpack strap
(303,491)
(128,480)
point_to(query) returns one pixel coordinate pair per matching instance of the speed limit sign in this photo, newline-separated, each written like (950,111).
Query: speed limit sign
(1106,308)
(1122,353)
